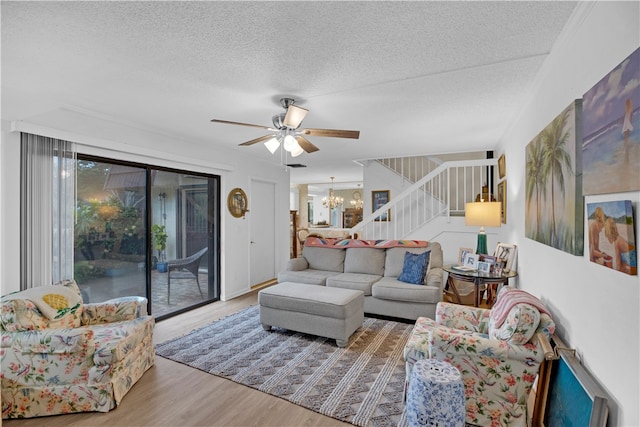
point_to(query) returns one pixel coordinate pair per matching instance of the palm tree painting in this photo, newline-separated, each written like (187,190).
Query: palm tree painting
(554,208)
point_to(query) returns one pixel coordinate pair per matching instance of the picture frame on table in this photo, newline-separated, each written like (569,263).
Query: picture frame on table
(462,253)
(506,252)
(491,260)
(484,267)
(497,269)
(379,198)
(471,260)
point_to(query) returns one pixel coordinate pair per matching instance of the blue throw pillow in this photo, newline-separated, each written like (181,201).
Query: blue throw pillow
(414,268)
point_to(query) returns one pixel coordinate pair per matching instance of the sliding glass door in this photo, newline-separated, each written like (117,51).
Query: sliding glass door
(147,231)
(184,219)
(110,238)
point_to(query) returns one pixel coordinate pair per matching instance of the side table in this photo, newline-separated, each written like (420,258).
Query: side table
(476,277)
(436,395)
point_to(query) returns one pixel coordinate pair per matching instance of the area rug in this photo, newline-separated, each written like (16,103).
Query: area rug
(361,384)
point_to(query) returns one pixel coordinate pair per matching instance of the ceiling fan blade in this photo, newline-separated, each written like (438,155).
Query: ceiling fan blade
(294,116)
(255,141)
(305,144)
(239,123)
(332,133)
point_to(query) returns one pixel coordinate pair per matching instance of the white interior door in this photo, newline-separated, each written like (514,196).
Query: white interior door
(263,239)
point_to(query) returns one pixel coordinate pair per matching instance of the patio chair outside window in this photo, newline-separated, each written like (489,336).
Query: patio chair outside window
(185,268)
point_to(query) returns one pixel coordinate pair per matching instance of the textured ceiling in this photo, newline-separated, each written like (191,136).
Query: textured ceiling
(414,77)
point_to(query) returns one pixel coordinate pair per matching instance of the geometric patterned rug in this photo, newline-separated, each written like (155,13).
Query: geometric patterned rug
(361,384)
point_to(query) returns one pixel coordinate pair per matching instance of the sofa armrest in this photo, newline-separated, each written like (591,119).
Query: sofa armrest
(297,264)
(49,341)
(114,310)
(463,317)
(449,345)
(434,277)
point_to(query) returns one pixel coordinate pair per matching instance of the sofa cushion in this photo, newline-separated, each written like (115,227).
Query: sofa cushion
(328,259)
(394,260)
(308,277)
(414,268)
(364,260)
(519,326)
(356,281)
(389,288)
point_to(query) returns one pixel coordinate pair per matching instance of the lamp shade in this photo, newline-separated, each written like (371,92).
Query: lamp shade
(289,143)
(294,116)
(482,214)
(272,145)
(296,151)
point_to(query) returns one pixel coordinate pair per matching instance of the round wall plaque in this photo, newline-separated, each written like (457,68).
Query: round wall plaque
(237,202)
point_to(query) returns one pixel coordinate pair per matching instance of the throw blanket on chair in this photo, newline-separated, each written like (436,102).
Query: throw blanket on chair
(355,243)
(508,299)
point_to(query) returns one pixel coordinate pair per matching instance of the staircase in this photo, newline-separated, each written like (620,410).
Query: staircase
(411,169)
(442,192)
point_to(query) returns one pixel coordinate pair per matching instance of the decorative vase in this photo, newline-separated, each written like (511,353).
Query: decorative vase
(162,267)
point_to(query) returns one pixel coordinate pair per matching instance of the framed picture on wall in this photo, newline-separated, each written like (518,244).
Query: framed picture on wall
(554,213)
(502,167)
(612,235)
(502,198)
(379,198)
(610,129)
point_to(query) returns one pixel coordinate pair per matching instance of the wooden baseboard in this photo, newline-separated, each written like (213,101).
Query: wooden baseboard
(264,284)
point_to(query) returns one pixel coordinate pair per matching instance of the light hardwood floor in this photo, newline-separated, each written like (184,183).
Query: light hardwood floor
(172,394)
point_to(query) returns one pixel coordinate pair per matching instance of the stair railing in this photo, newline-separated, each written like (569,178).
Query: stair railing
(442,192)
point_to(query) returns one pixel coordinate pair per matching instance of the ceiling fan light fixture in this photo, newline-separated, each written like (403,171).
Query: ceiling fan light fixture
(297,151)
(294,116)
(272,145)
(290,144)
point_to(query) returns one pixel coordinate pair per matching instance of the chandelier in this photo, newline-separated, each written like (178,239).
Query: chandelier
(332,201)
(357,203)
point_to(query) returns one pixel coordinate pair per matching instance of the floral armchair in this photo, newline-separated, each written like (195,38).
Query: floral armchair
(499,362)
(80,358)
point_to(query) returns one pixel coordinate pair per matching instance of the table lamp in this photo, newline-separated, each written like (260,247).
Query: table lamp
(483,214)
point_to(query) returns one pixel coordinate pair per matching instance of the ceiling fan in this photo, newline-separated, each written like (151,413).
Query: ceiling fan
(286,132)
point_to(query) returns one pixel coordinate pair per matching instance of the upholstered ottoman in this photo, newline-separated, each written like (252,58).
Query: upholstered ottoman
(327,312)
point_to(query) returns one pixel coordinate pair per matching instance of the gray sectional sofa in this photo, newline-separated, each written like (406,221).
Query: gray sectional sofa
(375,272)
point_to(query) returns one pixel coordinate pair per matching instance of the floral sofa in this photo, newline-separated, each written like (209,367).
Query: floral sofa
(497,351)
(399,278)
(81,357)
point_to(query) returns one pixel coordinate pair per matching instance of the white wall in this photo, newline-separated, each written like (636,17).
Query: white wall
(127,143)
(596,309)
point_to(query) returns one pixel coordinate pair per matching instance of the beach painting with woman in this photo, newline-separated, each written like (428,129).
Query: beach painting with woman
(612,240)
(611,131)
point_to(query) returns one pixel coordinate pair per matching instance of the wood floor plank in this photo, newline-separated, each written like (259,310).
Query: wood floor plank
(172,394)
